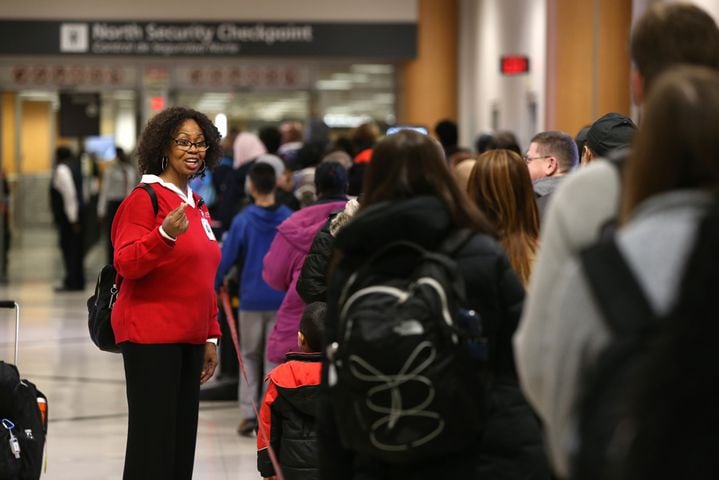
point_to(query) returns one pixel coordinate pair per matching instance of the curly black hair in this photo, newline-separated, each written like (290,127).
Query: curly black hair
(162,128)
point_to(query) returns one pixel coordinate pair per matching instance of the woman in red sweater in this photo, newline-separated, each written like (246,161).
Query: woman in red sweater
(165,317)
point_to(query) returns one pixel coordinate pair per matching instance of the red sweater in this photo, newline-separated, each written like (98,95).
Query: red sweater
(167,293)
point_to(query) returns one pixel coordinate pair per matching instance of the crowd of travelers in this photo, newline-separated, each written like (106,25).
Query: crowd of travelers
(577,274)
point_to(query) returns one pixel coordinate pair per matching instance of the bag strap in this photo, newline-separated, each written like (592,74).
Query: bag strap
(155,208)
(153,196)
(617,159)
(615,288)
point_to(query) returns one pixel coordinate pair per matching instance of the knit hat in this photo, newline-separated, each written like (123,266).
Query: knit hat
(330,179)
(610,132)
(247,146)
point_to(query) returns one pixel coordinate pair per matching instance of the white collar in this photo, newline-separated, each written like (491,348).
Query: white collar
(187,197)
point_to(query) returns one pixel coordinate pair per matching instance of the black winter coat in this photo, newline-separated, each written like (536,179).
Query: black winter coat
(288,415)
(312,284)
(510,447)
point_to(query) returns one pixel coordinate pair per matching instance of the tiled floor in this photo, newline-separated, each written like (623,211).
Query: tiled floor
(84,386)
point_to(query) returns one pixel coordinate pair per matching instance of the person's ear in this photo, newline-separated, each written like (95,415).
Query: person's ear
(586,155)
(301,342)
(552,166)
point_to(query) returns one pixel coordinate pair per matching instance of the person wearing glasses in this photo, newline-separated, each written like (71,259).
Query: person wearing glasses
(551,155)
(165,317)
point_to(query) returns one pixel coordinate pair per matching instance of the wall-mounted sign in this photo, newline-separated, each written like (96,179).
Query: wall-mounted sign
(246,76)
(79,114)
(56,75)
(514,64)
(113,38)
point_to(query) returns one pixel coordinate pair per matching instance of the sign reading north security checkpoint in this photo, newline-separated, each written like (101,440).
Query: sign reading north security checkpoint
(112,38)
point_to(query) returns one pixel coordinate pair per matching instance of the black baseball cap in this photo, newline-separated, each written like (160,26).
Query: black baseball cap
(610,132)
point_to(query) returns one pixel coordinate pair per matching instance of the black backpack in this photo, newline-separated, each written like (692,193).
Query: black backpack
(648,407)
(606,386)
(406,372)
(23,426)
(100,303)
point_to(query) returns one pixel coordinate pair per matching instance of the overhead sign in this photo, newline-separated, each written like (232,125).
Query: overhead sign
(113,38)
(43,75)
(514,64)
(242,76)
(61,75)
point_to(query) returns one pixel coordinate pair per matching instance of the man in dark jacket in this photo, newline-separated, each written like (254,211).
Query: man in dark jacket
(67,205)
(287,415)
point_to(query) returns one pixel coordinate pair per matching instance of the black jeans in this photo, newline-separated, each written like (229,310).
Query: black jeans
(71,245)
(163,390)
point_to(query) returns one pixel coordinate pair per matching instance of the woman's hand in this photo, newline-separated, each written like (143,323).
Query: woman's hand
(176,222)
(210,362)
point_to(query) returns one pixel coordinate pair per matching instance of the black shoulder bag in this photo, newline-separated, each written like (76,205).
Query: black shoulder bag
(99,305)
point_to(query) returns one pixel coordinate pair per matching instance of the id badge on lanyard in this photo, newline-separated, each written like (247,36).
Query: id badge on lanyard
(206,226)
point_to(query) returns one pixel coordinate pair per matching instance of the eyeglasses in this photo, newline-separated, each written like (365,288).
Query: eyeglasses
(186,145)
(528,159)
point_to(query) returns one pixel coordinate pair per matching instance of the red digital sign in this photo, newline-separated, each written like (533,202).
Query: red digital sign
(157,103)
(514,64)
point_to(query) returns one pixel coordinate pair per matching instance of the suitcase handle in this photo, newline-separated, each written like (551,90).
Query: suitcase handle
(13,305)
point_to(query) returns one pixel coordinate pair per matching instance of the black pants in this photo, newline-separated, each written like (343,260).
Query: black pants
(71,245)
(163,390)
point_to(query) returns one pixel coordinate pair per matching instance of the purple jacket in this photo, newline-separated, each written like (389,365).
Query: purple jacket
(282,266)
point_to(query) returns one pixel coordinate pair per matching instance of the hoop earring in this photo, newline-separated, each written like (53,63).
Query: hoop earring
(202,170)
(163,163)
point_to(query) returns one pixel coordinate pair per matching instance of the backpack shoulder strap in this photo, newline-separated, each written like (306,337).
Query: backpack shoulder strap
(615,288)
(153,196)
(155,208)
(617,159)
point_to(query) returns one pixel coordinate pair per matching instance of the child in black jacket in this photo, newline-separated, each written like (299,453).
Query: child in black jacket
(288,412)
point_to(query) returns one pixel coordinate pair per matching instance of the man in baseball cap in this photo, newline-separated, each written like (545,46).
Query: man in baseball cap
(610,132)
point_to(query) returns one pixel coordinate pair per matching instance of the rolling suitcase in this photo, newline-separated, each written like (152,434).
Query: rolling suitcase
(23,417)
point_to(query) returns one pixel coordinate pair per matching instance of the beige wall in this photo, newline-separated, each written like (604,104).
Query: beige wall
(428,85)
(614,63)
(8,131)
(35,137)
(489,100)
(587,61)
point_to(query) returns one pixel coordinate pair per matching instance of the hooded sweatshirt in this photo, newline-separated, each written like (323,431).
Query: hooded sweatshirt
(249,239)
(282,267)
